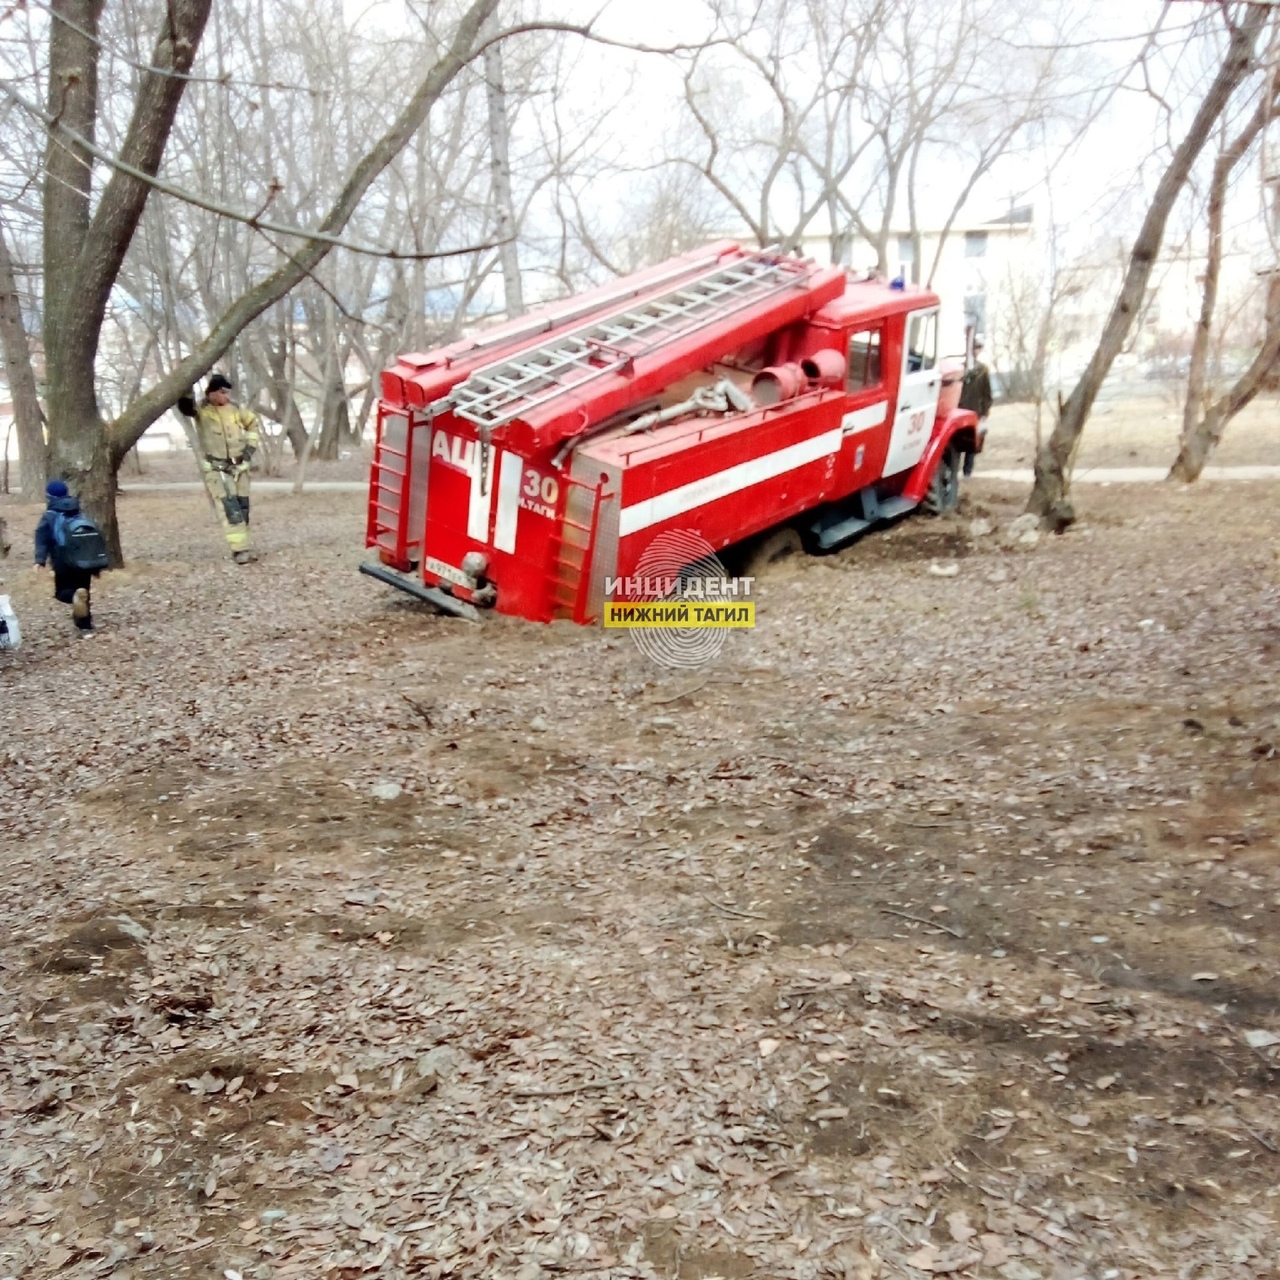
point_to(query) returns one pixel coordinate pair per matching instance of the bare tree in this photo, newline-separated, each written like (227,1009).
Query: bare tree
(84,446)
(777,108)
(1049,495)
(500,162)
(27,414)
(1026,328)
(1208,430)
(1205,419)
(861,110)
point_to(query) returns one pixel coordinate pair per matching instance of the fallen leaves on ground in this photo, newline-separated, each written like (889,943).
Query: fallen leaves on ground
(921,937)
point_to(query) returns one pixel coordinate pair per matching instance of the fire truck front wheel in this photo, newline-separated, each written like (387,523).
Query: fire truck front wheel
(944,488)
(767,550)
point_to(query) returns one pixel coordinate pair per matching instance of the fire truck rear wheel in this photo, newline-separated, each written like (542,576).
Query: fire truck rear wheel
(773,547)
(944,488)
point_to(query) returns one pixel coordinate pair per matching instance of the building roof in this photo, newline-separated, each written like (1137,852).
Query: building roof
(1021,214)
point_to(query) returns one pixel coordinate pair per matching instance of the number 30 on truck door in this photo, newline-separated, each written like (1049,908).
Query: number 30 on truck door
(540,488)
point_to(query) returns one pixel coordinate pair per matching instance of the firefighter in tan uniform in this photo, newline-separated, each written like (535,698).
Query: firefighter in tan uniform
(227,436)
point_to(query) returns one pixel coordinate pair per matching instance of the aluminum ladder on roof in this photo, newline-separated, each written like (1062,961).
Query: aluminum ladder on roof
(501,392)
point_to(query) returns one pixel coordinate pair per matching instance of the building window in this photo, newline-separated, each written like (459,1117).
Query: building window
(922,342)
(975,244)
(864,360)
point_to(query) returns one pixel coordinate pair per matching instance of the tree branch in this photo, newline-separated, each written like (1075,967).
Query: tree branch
(226,211)
(226,80)
(137,417)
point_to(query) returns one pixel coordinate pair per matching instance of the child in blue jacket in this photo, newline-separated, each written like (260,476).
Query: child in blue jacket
(70,585)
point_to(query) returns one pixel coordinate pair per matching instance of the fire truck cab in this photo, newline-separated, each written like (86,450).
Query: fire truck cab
(725,394)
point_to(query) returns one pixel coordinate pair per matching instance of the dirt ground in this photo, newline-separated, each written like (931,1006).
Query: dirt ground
(934,929)
(1135,425)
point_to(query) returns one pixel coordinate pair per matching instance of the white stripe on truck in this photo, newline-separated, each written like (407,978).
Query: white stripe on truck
(504,530)
(481,493)
(864,419)
(675,502)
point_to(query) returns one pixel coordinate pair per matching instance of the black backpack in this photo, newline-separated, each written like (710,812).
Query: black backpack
(79,543)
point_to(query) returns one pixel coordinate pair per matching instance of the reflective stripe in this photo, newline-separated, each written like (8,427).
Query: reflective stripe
(863,419)
(481,493)
(504,533)
(676,502)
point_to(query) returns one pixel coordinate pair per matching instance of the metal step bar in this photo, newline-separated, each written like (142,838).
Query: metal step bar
(431,595)
(854,516)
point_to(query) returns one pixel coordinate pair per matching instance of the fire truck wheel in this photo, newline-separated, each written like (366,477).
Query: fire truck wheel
(772,548)
(944,488)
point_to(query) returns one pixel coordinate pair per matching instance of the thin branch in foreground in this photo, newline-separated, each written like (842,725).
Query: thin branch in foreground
(733,911)
(225,211)
(227,81)
(935,924)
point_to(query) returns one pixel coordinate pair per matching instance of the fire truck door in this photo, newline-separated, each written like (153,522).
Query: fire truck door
(917,392)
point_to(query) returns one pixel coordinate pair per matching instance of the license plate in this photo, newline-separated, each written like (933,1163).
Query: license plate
(447,573)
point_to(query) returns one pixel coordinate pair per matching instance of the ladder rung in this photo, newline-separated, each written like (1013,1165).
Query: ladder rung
(500,392)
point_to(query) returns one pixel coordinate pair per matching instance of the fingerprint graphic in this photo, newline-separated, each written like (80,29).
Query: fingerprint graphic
(690,564)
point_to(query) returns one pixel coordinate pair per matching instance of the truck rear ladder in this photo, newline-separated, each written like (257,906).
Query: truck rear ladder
(501,392)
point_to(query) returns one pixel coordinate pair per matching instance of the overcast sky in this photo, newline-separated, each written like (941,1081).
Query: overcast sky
(1097,181)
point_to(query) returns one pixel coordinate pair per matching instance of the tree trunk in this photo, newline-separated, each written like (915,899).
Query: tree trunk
(1202,425)
(300,474)
(78,451)
(500,160)
(27,415)
(332,418)
(83,458)
(1049,495)
(1197,373)
(275,372)
(1204,437)
(335,420)
(84,249)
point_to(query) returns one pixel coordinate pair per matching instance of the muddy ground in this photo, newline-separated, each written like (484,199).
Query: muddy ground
(933,929)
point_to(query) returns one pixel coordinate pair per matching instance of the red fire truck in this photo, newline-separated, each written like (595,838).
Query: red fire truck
(732,394)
